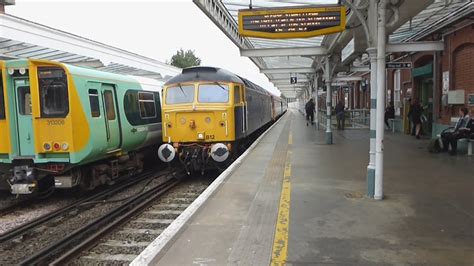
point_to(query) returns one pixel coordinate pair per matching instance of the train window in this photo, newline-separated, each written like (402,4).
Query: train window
(134,108)
(180,94)
(94,102)
(2,99)
(213,93)
(236,94)
(24,100)
(109,105)
(53,91)
(147,105)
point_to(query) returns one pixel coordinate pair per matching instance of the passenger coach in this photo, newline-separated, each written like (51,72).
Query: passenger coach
(63,126)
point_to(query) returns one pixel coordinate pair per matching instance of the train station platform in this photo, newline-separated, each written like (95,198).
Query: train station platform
(298,201)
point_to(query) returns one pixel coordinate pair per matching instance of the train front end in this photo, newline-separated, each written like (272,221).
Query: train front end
(199,113)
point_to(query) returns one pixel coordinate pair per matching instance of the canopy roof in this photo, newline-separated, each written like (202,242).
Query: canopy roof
(278,59)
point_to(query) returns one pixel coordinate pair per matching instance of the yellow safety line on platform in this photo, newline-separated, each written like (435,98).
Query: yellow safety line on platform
(280,242)
(290,139)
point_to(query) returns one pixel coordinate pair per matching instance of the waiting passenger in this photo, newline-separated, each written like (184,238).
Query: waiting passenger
(309,108)
(389,114)
(340,116)
(460,131)
(416,111)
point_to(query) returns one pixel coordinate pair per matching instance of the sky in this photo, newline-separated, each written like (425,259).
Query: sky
(152,28)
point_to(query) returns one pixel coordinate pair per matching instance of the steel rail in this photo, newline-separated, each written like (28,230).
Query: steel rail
(88,234)
(23,229)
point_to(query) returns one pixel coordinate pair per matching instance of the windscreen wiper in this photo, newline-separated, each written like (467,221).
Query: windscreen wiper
(182,91)
(222,87)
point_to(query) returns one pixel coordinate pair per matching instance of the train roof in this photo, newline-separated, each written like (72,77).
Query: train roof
(212,74)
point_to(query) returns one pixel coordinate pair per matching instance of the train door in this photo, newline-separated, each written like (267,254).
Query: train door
(24,118)
(111,117)
(239,112)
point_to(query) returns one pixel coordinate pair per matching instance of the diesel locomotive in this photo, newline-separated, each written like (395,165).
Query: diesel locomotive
(63,126)
(208,113)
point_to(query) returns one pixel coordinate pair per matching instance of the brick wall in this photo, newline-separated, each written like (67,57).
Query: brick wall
(458,60)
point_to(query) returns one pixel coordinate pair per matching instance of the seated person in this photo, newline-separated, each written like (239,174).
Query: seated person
(461,130)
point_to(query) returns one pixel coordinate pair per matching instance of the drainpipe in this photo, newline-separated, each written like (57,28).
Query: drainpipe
(381,80)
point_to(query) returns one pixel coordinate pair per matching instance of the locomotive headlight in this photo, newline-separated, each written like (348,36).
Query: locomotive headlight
(64,146)
(47,146)
(22,71)
(207,120)
(11,71)
(200,136)
(182,120)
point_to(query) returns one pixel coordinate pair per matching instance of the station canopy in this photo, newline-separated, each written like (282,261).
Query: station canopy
(20,38)
(280,59)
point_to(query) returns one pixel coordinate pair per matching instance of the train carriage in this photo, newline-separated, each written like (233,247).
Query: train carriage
(208,112)
(66,126)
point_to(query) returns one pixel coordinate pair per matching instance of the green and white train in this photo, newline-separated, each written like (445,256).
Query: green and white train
(64,126)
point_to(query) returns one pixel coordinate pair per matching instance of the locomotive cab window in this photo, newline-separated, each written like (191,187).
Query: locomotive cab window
(147,105)
(94,102)
(53,92)
(213,93)
(237,94)
(180,94)
(2,98)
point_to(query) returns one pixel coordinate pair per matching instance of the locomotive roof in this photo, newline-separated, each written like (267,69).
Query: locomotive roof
(212,74)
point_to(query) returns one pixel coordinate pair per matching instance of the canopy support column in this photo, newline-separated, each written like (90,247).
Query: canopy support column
(328,102)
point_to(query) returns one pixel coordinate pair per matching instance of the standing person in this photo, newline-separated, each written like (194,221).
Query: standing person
(340,116)
(309,108)
(416,111)
(389,114)
(461,130)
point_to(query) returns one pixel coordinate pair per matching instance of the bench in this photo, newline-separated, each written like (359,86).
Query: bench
(469,143)
(469,146)
(392,122)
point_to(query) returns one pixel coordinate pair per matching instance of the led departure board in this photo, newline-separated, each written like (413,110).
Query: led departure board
(285,23)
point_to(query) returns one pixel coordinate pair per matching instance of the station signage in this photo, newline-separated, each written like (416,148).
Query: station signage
(398,65)
(289,22)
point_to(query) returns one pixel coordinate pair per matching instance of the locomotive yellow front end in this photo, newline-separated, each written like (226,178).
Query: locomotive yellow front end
(199,122)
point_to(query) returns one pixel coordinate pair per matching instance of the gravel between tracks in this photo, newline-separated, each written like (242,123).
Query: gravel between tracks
(15,250)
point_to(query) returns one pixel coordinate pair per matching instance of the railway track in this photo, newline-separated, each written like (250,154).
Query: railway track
(84,235)
(40,233)
(82,203)
(123,232)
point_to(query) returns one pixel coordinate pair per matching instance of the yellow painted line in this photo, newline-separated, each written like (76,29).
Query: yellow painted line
(280,242)
(290,139)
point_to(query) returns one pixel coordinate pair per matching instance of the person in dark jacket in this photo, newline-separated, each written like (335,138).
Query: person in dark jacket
(389,114)
(340,116)
(461,130)
(416,111)
(309,108)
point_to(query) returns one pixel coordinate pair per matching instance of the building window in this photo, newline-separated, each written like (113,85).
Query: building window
(53,91)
